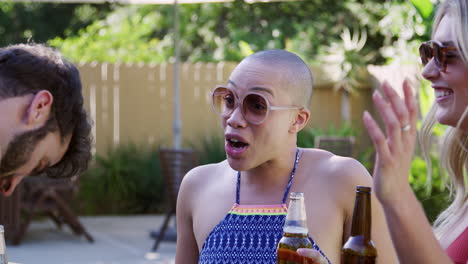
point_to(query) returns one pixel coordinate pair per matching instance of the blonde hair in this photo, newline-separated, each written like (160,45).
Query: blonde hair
(454,147)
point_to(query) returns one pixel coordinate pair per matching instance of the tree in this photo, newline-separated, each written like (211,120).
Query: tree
(220,32)
(39,22)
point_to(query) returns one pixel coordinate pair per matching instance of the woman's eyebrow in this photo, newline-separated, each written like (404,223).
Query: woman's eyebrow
(262,89)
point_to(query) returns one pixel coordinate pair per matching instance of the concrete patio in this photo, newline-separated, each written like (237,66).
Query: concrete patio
(118,240)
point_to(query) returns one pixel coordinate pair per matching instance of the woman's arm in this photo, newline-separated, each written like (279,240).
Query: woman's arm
(186,249)
(411,233)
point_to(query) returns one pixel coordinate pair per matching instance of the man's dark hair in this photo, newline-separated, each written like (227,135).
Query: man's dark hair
(30,68)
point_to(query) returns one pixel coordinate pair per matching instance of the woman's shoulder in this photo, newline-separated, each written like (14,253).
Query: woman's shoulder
(207,174)
(335,168)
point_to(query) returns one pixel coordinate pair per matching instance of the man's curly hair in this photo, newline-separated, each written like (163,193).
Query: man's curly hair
(30,68)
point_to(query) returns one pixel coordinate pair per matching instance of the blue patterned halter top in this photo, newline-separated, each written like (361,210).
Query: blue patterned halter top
(248,234)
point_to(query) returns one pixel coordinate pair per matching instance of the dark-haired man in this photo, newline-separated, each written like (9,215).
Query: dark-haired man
(234,211)
(44,128)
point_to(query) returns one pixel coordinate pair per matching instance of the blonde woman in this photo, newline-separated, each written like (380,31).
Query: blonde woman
(445,60)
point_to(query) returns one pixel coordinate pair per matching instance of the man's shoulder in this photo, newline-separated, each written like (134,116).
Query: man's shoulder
(334,168)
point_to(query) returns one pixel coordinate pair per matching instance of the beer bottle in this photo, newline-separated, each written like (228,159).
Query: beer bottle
(359,249)
(3,256)
(295,233)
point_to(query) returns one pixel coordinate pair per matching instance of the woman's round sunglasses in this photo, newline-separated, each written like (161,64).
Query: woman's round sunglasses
(434,49)
(255,107)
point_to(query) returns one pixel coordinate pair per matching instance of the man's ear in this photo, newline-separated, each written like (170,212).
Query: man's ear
(39,109)
(8,185)
(300,121)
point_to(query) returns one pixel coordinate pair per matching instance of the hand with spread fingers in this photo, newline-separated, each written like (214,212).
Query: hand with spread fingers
(395,147)
(445,61)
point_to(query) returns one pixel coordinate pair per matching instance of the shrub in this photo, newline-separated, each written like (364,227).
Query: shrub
(126,181)
(433,197)
(305,138)
(210,149)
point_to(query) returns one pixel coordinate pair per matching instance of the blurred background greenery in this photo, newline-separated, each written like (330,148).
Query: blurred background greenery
(222,31)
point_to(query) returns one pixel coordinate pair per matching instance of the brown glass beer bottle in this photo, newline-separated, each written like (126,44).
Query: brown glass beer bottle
(295,233)
(359,249)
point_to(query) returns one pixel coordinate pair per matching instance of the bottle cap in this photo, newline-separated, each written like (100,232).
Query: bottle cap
(296,195)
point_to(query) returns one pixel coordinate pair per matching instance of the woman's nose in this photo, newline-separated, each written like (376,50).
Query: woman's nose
(236,119)
(430,70)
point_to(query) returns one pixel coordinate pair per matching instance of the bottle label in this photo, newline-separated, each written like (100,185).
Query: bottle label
(287,256)
(354,259)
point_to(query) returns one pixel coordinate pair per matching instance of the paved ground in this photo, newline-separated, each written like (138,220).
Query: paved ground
(119,240)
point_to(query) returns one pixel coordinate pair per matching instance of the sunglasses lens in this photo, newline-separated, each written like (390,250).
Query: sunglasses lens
(223,101)
(425,51)
(255,108)
(438,55)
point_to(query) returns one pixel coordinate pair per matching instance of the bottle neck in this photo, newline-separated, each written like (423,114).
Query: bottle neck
(296,219)
(2,244)
(361,225)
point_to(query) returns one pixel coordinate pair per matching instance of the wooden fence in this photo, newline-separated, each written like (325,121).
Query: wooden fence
(134,103)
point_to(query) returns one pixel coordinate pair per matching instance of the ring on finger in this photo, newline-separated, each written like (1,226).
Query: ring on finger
(406,128)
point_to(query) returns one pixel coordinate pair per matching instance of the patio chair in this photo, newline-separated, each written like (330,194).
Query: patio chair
(10,208)
(338,145)
(51,197)
(174,165)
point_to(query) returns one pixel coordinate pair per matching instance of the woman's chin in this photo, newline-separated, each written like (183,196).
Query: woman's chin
(447,119)
(239,164)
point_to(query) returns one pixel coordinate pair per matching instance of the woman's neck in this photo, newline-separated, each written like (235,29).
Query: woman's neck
(274,171)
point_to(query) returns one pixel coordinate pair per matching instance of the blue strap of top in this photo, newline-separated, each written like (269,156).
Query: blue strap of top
(296,161)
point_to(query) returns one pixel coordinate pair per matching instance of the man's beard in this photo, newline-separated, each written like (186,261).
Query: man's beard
(20,149)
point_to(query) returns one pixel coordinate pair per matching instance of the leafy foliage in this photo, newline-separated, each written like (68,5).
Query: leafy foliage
(306,138)
(230,31)
(127,180)
(424,7)
(39,22)
(210,149)
(434,197)
(125,35)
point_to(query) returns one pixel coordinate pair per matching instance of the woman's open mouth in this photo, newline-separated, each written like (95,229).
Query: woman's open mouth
(235,146)
(443,94)
(234,143)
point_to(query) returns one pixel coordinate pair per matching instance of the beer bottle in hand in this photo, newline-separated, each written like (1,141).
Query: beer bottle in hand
(3,256)
(359,249)
(295,233)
